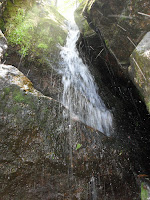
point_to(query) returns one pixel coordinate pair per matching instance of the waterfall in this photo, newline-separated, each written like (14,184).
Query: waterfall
(80,92)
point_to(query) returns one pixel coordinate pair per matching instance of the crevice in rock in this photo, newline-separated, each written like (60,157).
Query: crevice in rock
(122,97)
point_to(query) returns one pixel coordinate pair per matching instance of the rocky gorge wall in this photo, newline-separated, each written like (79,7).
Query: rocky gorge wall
(44,155)
(116,28)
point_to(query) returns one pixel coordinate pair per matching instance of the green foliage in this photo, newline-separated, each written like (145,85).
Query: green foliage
(148,105)
(34,31)
(2,25)
(107,43)
(18,97)
(6,90)
(20,32)
(144,192)
(78,146)
(43,46)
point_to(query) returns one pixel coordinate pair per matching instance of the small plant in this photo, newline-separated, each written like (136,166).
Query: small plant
(20,32)
(78,146)
(43,46)
(144,192)
(19,98)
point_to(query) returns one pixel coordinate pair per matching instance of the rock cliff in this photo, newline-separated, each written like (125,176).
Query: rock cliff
(118,28)
(42,153)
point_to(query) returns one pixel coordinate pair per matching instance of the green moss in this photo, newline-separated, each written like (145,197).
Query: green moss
(16,31)
(43,46)
(81,21)
(6,90)
(144,192)
(19,98)
(107,43)
(32,29)
(2,25)
(61,40)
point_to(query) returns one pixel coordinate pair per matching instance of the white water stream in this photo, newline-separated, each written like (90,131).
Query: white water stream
(80,92)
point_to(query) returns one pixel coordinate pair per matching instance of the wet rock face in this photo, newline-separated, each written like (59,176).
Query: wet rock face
(119,27)
(35,31)
(139,70)
(46,156)
(121,23)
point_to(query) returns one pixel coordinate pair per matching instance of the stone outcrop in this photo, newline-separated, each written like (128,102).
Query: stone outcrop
(140,68)
(119,27)
(46,156)
(35,31)
(122,24)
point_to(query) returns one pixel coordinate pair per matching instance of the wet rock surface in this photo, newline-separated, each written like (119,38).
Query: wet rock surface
(119,27)
(130,114)
(35,32)
(45,153)
(47,156)
(121,23)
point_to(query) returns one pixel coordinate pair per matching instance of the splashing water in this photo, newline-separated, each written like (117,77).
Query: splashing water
(80,92)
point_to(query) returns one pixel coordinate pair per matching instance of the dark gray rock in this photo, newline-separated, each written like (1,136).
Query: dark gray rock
(118,27)
(121,23)
(44,155)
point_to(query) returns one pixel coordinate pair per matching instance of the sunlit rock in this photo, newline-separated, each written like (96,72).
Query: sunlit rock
(3,45)
(140,68)
(121,24)
(35,32)
(81,21)
(119,27)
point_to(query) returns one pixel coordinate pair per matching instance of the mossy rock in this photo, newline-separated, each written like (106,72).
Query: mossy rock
(81,21)
(35,33)
(34,30)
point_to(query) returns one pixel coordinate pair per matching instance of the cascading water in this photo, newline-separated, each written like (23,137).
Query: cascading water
(80,92)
